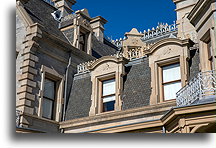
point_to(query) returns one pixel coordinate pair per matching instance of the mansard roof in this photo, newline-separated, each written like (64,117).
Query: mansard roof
(138,77)
(40,12)
(100,49)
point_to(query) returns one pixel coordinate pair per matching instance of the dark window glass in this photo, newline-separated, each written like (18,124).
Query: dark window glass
(82,42)
(108,106)
(48,99)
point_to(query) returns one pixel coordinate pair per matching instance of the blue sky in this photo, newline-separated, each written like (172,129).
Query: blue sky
(123,15)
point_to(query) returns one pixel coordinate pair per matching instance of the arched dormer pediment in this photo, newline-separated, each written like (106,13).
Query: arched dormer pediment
(167,52)
(169,41)
(107,59)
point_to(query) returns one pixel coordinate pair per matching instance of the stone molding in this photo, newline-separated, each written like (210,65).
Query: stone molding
(166,41)
(24,15)
(176,120)
(119,114)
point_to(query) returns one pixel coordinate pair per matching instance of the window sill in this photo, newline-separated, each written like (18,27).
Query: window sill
(167,101)
(104,113)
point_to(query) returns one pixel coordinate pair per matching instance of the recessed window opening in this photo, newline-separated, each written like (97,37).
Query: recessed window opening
(108,95)
(49,99)
(82,41)
(171,81)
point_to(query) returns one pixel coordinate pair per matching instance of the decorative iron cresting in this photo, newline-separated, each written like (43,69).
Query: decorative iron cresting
(160,30)
(118,42)
(200,87)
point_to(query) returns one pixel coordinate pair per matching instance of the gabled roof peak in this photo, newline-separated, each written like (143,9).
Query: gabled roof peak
(133,32)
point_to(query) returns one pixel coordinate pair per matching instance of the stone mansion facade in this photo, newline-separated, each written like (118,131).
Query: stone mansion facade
(70,78)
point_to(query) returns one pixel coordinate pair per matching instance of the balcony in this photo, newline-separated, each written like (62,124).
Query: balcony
(201,89)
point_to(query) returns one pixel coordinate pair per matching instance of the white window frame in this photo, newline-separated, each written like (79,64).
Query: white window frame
(168,82)
(159,76)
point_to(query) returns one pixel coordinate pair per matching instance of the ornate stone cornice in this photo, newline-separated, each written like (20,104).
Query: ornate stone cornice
(167,41)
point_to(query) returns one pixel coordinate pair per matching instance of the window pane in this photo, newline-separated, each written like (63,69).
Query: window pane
(108,99)
(171,89)
(108,106)
(49,89)
(171,73)
(108,87)
(47,108)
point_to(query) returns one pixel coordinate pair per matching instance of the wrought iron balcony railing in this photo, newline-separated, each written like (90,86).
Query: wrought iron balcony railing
(200,88)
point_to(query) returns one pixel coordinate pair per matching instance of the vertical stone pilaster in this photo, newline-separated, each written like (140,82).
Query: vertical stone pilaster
(25,95)
(213,42)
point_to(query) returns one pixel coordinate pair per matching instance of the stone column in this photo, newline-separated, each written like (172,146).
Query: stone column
(89,43)
(213,42)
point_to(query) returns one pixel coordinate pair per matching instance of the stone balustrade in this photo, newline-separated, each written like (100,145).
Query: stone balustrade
(135,53)
(84,67)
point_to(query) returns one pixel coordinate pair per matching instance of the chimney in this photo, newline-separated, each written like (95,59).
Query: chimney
(185,28)
(97,25)
(65,6)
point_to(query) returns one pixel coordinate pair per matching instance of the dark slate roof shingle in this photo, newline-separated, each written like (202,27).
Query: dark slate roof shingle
(137,90)
(40,12)
(80,98)
(100,49)
(137,85)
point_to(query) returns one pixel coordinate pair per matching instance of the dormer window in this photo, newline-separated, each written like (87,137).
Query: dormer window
(107,84)
(108,95)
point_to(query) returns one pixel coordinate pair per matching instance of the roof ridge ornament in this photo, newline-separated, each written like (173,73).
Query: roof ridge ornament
(161,29)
